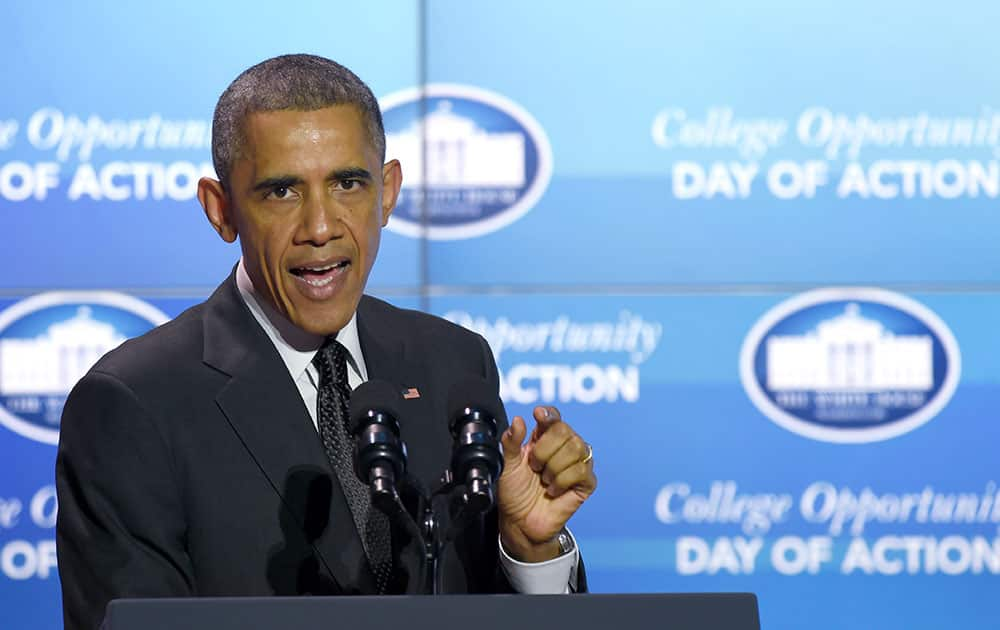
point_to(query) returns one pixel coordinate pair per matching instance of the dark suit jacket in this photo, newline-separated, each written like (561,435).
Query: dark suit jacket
(189,465)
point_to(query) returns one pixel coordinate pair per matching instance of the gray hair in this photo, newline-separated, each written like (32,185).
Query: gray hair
(289,82)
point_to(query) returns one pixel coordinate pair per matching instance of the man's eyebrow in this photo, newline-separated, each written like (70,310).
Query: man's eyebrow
(280,181)
(352,172)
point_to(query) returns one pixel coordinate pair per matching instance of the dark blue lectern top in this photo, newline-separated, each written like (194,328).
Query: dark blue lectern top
(710,611)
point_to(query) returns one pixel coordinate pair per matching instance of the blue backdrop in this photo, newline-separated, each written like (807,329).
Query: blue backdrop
(747,248)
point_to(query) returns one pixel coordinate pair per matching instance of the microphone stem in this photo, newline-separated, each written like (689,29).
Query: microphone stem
(432,548)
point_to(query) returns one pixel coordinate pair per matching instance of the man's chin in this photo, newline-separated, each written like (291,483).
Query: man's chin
(323,319)
(321,325)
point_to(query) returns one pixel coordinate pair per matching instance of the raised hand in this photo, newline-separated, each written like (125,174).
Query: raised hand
(544,482)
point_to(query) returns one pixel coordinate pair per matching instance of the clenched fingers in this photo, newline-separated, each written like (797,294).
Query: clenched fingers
(579,476)
(572,451)
(548,439)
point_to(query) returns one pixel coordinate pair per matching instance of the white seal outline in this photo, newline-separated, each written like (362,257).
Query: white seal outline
(27,306)
(521,207)
(849,436)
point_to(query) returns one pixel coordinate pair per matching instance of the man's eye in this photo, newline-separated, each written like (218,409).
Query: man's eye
(349,184)
(279,193)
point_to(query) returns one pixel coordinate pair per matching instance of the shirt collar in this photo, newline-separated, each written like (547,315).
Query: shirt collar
(296,346)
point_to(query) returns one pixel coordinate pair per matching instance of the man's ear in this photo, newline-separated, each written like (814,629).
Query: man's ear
(219,211)
(392,180)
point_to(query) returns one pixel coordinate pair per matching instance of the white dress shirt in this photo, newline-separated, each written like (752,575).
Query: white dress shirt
(297,349)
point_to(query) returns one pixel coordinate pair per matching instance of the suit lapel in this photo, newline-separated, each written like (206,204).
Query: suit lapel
(386,358)
(423,424)
(385,351)
(265,409)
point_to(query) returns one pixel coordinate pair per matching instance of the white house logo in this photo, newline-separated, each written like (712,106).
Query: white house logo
(850,364)
(49,341)
(473,161)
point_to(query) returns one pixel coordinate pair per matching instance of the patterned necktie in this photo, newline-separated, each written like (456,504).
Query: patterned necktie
(332,419)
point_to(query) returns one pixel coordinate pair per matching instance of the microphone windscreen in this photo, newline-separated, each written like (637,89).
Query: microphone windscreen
(472,392)
(374,395)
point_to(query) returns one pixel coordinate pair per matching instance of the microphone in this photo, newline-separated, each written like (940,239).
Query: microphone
(476,456)
(379,453)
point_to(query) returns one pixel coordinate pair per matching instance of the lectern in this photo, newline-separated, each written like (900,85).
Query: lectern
(710,611)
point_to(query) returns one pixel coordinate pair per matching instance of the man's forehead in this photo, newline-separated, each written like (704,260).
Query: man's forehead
(268,130)
(342,118)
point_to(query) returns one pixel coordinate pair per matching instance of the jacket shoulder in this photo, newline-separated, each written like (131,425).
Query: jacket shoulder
(167,349)
(417,326)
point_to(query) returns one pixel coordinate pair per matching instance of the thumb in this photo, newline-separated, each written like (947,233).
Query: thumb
(511,440)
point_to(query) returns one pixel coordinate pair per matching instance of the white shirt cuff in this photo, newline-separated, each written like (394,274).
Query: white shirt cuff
(554,576)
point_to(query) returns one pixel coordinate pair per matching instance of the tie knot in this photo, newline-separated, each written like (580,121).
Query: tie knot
(331,363)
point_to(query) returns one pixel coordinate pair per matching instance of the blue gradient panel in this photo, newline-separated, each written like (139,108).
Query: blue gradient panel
(611,215)
(692,425)
(123,64)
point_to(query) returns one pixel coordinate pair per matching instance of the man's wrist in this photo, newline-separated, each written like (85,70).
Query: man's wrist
(554,576)
(521,549)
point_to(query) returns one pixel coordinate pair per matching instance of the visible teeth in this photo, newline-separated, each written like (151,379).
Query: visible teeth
(320,282)
(323,269)
(306,273)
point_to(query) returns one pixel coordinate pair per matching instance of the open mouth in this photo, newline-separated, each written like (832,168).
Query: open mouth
(320,275)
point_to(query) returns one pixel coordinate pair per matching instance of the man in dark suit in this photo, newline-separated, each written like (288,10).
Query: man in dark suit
(204,459)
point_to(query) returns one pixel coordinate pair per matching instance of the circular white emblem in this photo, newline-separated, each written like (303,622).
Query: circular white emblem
(850,365)
(473,161)
(49,341)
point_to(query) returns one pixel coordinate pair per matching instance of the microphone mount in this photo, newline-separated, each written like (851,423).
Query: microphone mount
(381,456)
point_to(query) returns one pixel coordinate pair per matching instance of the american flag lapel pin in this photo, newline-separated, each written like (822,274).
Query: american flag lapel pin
(411,393)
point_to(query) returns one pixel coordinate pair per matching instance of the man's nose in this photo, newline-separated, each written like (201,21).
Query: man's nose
(321,221)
